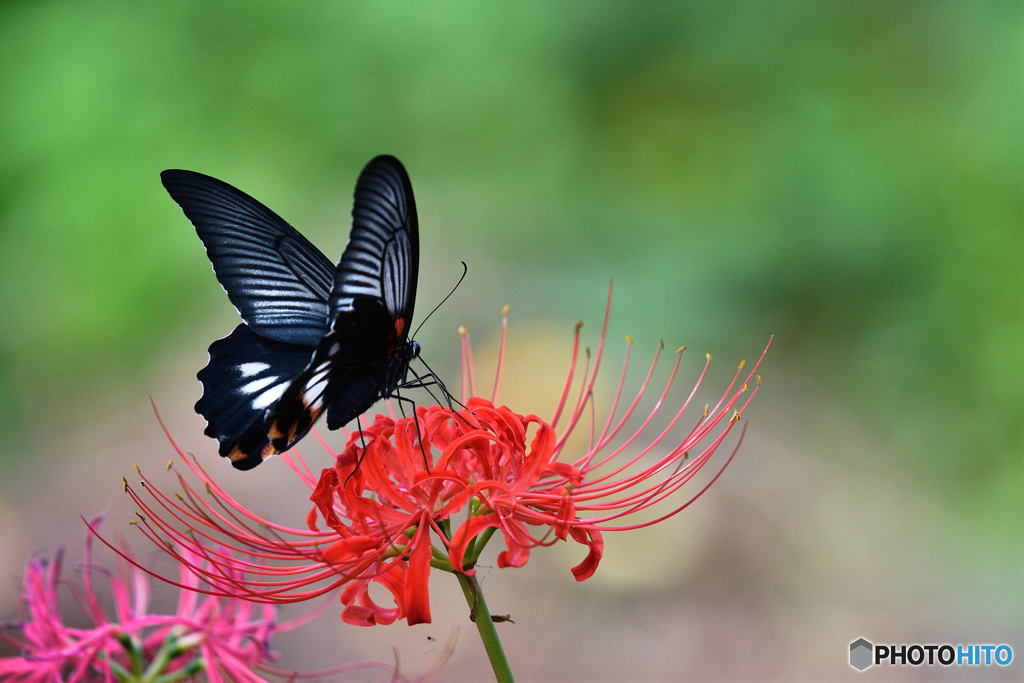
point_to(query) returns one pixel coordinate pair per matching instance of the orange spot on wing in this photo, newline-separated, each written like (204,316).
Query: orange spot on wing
(268,450)
(235,455)
(274,432)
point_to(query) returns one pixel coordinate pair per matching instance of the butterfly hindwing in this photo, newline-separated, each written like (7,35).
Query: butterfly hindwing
(246,376)
(278,281)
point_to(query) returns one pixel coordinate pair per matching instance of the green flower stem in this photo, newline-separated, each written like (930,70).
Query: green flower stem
(485,626)
(476,546)
(168,652)
(189,672)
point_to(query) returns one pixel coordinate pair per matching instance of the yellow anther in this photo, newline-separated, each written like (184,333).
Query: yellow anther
(137,469)
(170,464)
(629,340)
(742,363)
(504,309)
(125,482)
(680,349)
(463,330)
(708,356)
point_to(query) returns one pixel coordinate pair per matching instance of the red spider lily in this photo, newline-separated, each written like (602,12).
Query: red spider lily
(430,490)
(221,638)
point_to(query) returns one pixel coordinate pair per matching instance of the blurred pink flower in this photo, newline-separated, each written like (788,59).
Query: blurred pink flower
(379,509)
(222,638)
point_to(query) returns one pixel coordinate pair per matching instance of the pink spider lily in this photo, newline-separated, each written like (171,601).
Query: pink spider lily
(428,491)
(217,637)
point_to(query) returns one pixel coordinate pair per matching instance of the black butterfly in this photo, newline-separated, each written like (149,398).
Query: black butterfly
(314,335)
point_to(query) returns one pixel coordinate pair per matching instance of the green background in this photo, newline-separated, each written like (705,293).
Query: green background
(846,176)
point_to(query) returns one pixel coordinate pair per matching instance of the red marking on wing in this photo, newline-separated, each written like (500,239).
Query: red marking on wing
(393,341)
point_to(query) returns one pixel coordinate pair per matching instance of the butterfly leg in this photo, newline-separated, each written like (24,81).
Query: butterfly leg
(431,379)
(416,420)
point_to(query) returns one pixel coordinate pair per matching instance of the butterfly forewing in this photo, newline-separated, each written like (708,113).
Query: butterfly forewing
(278,281)
(381,260)
(365,355)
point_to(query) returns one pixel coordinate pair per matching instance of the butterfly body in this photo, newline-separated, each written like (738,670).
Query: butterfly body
(315,336)
(363,359)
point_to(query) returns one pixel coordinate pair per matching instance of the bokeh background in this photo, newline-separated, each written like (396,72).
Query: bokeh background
(846,176)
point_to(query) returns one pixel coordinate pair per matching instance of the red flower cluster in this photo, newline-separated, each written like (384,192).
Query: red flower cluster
(385,496)
(411,494)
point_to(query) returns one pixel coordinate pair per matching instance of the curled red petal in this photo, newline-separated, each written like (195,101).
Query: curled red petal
(593,539)
(323,498)
(357,615)
(566,470)
(362,610)
(348,550)
(516,553)
(541,449)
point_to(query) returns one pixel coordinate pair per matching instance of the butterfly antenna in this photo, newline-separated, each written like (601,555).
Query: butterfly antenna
(448,397)
(465,269)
